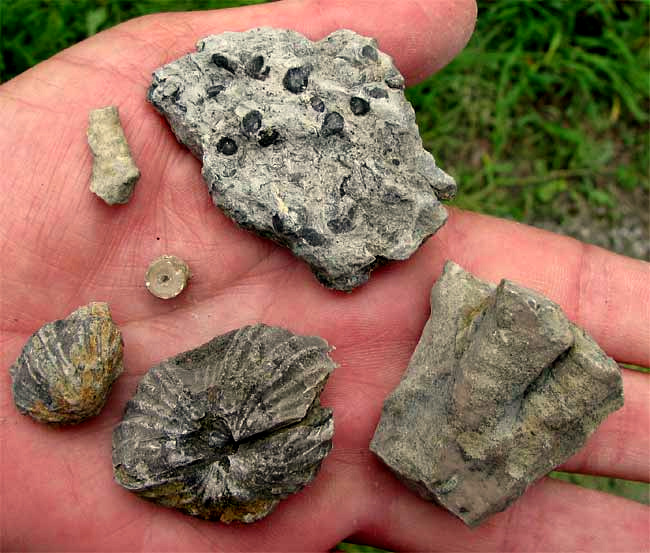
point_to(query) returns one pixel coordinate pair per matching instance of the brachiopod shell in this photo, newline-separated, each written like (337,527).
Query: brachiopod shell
(66,369)
(227,430)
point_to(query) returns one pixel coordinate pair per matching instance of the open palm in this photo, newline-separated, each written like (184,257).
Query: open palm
(62,247)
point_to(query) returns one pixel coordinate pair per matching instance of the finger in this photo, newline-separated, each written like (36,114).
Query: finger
(618,448)
(621,445)
(421,35)
(550,516)
(605,293)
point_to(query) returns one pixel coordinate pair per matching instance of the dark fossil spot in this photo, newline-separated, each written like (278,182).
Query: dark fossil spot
(296,79)
(340,225)
(311,236)
(214,91)
(395,162)
(332,124)
(343,187)
(277,223)
(252,122)
(256,70)
(227,146)
(317,104)
(224,63)
(268,137)
(369,52)
(377,93)
(359,106)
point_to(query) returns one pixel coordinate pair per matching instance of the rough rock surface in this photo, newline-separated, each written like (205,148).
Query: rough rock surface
(115,174)
(66,369)
(227,430)
(311,144)
(500,390)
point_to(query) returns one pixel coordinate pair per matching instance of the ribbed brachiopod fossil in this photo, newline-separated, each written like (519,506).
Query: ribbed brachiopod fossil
(67,368)
(227,430)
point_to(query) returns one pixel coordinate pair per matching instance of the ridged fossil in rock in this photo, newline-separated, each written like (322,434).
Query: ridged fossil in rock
(67,368)
(501,389)
(227,430)
(114,173)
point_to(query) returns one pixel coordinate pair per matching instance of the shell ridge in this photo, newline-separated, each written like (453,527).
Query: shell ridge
(281,358)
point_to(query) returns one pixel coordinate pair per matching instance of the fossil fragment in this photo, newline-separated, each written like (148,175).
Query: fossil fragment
(167,276)
(500,390)
(311,144)
(227,430)
(114,172)
(67,368)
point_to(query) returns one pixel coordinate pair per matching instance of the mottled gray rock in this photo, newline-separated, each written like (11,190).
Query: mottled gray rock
(227,430)
(66,369)
(311,144)
(114,173)
(501,389)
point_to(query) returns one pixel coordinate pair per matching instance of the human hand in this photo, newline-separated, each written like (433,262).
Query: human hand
(62,247)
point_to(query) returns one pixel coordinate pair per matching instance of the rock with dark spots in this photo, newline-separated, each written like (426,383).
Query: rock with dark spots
(67,368)
(227,430)
(501,389)
(332,111)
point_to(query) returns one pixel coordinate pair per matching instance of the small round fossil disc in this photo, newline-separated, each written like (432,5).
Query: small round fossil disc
(167,277)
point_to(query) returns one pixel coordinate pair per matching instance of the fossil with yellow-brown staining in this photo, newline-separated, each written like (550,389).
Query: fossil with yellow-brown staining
(67,367)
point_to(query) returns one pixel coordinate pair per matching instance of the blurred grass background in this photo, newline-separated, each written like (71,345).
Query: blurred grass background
(544,118)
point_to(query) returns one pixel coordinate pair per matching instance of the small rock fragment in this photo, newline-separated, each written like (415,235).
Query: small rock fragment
(167,276)
(282,124)
(501,389)
(66,369)
(114,172)
(227,430)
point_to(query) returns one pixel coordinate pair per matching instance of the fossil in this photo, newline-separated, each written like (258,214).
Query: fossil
(501,389)
(66,369)
(227,430)
(167,276)
(310,144)
(114,174)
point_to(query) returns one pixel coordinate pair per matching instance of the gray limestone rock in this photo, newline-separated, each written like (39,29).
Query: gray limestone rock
(227,430)
(115,174)
(66,369)
(501,389)
(311,144)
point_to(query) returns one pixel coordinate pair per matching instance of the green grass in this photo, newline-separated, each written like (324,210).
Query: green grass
(545,114)
(546,107)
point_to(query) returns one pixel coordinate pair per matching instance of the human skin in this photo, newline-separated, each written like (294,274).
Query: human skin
(61,247)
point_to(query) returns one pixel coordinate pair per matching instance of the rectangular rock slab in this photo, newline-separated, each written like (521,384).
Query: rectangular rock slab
(501,389)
